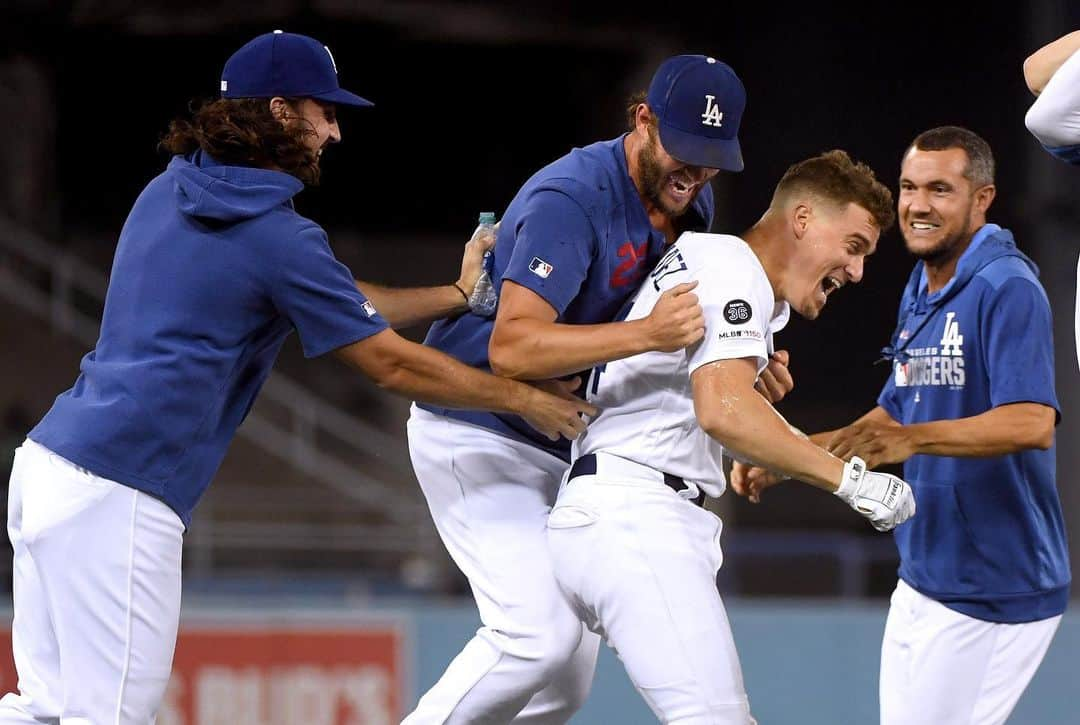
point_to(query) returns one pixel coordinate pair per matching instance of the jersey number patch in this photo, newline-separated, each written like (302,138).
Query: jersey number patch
(738,312)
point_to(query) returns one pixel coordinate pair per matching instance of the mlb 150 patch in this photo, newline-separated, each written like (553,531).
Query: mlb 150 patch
(738,312)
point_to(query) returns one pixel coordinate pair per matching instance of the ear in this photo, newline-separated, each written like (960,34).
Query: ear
(279,108)
(984,197)
(641,120)
(800,219)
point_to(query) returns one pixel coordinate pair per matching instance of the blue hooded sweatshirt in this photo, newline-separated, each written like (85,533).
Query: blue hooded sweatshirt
(988,538)
(213,269)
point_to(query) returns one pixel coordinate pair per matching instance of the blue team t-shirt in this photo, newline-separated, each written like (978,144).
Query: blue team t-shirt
(988,538)
(578,235)
(213,269)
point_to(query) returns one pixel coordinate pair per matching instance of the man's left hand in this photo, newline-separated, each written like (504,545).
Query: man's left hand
(775,380)
(472,261)
(879,444)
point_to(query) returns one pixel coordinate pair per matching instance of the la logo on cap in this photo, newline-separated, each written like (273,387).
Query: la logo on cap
(713,115)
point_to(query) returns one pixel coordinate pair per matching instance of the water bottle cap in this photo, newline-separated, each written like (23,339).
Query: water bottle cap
(487,217)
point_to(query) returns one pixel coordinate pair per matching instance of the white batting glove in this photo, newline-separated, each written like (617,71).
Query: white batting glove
(886,500)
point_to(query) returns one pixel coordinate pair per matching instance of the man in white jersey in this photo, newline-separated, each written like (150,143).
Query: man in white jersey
(1053,74)
(633,550)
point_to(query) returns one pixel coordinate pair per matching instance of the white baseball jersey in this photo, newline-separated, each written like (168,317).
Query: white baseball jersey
(646,402)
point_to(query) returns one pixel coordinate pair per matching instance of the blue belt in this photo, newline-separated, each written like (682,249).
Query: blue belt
(586,466)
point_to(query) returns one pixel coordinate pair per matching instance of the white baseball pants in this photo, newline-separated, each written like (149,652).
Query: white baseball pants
(532,662)
(639,564)
(97,595)
(943,667)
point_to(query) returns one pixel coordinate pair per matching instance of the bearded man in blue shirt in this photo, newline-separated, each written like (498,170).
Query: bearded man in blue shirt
(970,410)
(213,269)
(573,247)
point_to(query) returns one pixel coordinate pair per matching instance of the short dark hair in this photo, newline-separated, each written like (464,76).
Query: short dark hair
(835,177)
(980,166)
(243,132)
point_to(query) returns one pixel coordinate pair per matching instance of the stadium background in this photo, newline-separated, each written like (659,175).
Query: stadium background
(315,588)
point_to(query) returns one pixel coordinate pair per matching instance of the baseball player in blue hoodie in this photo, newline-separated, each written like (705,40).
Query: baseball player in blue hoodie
(213,269)
(969,409)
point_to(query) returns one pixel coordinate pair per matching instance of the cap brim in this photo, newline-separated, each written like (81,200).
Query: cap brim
(344,98)
(709,153)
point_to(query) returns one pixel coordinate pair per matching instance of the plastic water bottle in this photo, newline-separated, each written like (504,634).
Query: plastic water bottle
(483,300)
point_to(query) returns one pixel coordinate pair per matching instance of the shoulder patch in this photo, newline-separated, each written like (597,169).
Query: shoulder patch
(738,312)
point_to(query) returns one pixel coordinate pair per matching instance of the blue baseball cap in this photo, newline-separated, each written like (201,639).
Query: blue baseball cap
(698,103)
(287,65)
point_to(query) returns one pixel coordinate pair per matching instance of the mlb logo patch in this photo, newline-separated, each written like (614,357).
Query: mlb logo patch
(540,268)
(368,308)
(901,370)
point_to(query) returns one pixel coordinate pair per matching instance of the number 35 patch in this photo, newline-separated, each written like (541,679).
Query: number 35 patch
(738,312)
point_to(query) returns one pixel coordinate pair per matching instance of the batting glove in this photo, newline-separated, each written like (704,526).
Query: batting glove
(886,500)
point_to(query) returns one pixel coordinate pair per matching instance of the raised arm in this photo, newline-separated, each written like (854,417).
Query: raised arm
(1053,73)
(408,306)
(528,344)
(405,307)
(1041,65)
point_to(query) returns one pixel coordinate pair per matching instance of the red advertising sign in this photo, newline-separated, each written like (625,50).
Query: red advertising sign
(283,673)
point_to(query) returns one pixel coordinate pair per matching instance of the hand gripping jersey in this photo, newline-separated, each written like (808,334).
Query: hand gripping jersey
(646,401)
(577,235)
(988,539)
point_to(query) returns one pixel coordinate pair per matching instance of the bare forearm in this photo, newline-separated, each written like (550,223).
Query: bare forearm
(531,349)
(441,380)
(404,307)
(755,431)
(427,375)
(1041,65)
(997,432)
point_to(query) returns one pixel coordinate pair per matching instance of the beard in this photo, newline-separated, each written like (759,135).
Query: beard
(943,250)
(653,178)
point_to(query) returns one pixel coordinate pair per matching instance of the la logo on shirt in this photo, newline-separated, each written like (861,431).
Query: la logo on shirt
(941,366)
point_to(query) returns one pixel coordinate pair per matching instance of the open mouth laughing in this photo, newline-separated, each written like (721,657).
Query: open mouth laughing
(681,187)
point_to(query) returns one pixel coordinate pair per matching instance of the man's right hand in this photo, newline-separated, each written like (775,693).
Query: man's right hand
(551,407)
(749,481)
(676,320)
(885,500)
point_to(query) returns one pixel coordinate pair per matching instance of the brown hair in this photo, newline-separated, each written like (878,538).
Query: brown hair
(243,132)
(835,177)
(980,165)
(631,109)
